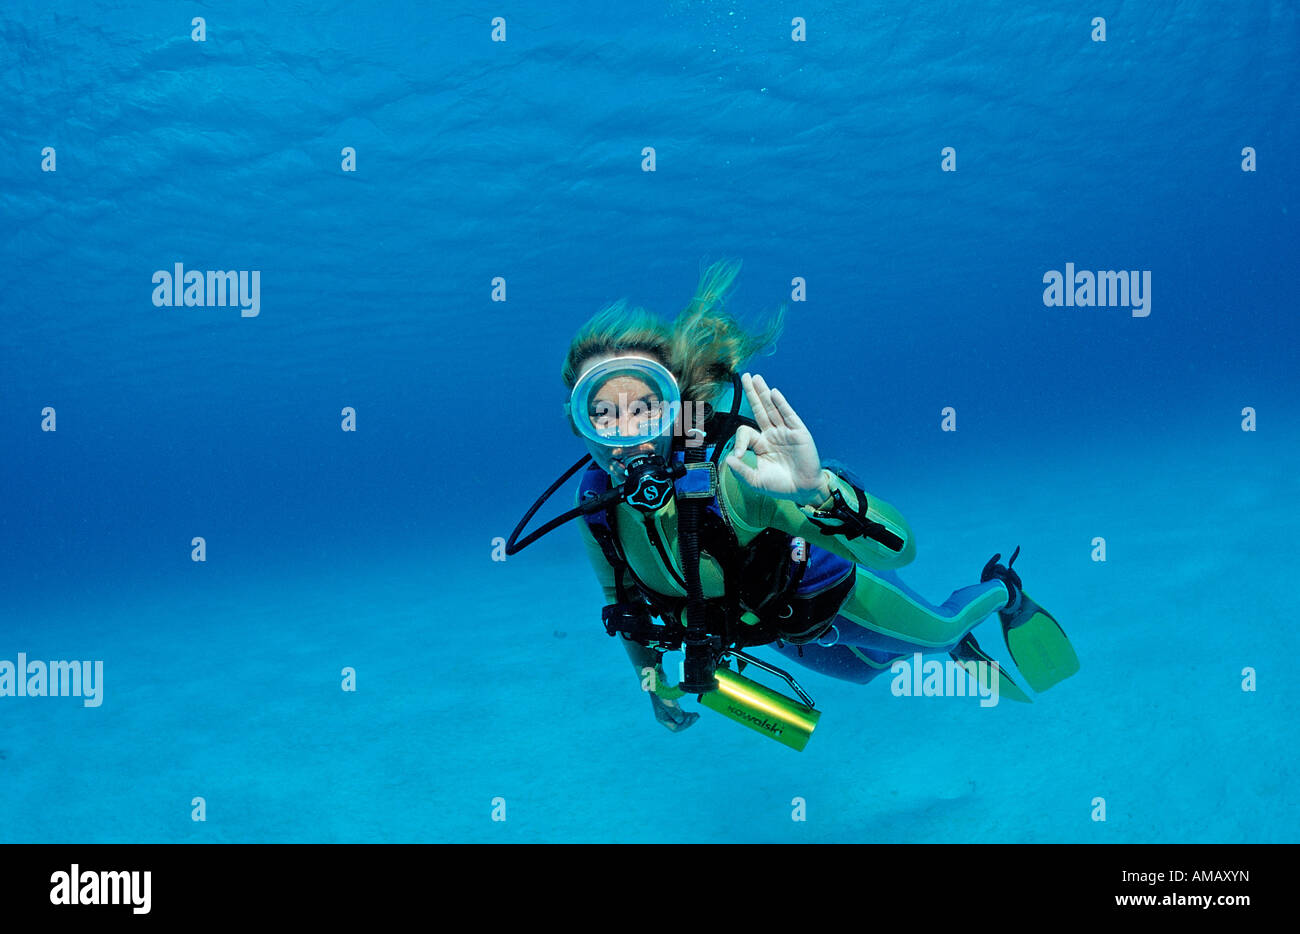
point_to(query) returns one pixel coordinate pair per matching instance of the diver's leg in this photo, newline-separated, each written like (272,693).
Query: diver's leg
(883,619)
(845,662)
(884,614)
(861,664)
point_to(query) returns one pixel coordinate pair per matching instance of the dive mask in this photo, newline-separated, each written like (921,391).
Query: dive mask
(626,409)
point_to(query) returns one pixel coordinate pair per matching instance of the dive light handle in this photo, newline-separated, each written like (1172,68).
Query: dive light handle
(699,665)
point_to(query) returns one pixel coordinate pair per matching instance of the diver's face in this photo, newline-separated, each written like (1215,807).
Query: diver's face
(625,406)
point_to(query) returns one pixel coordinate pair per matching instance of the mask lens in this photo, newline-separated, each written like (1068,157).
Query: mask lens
(624,409)
(630,404)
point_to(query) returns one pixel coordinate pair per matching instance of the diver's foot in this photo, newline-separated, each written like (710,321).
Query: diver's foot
(1037,643)
(1011,580)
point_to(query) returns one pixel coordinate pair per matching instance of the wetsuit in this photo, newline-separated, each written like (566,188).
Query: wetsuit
(880,620)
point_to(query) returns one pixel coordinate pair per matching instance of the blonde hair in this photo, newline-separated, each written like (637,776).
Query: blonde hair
(614,329)
(703,348)
(708,343)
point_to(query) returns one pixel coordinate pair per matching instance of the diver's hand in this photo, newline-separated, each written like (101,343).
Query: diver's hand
(670,714)
(788,465)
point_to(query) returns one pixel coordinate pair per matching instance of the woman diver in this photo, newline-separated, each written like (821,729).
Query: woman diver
(716,515)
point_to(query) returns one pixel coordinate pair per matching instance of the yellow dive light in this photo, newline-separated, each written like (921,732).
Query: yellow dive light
(761,709)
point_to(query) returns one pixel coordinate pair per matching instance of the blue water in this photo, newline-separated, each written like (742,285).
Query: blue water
(372,550)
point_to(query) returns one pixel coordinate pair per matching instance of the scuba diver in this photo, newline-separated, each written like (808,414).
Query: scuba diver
(705,504)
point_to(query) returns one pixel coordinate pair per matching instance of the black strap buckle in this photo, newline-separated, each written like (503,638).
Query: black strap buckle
(855,523)
(633,622)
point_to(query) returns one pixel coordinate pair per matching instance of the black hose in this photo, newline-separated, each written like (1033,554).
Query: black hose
(701,660)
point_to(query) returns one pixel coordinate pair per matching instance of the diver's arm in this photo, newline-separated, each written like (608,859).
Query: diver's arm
(648,663)
(888,545)
(642,657)
(772,478)
(754,511)
(604,573)
(666,709)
